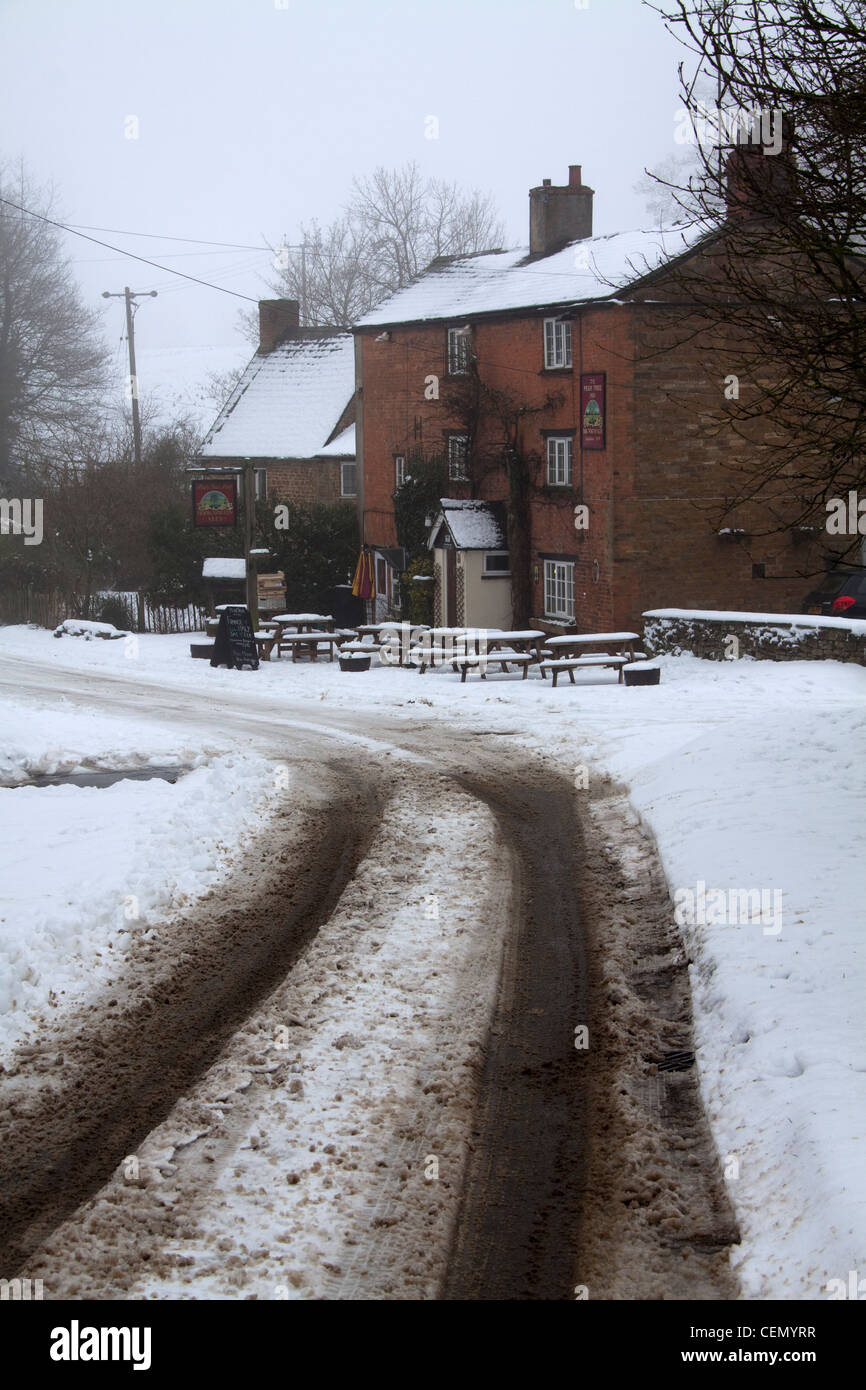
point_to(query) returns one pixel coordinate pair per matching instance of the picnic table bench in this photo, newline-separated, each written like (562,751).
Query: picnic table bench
(276,632)
(556,666)
(572,652)
(465,648)
(309,642)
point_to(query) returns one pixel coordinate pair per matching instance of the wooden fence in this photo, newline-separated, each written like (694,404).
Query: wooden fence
(24,605)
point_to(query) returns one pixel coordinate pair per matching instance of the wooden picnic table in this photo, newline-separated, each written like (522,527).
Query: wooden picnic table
(308,642)
(303,622)
(479,647)
(306,637)
(574,642)
(572,652)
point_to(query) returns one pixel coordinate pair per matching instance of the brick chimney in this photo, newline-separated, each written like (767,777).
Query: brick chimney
(760,180)
(278,320)
(558,215)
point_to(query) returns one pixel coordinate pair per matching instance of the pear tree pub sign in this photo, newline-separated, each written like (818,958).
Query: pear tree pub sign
(592,410)
(214,502)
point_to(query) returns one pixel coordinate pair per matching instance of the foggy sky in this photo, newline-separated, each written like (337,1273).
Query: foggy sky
(253,118)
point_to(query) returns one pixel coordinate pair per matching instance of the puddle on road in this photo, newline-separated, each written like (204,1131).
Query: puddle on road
(103,779)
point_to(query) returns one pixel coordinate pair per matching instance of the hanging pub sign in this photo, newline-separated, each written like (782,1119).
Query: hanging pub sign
(592,410)
(214,502)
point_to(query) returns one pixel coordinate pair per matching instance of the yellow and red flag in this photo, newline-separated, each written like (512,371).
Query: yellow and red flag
(364,583)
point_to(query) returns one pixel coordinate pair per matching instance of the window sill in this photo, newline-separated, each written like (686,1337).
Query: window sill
(504,574)
(557,371)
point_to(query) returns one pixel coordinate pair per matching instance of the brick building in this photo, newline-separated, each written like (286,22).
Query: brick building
(292,412)
(579,432)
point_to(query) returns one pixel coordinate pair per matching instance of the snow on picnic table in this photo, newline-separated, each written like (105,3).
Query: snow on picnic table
(749,775)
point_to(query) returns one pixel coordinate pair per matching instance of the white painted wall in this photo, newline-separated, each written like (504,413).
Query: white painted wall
(488,601)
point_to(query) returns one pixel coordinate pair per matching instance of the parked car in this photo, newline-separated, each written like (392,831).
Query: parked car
(841,594)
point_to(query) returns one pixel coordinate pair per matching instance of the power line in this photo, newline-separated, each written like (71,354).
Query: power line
(155,236)
(130,254)
(167,255)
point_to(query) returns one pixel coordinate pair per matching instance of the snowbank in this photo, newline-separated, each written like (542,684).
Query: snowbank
(90,871)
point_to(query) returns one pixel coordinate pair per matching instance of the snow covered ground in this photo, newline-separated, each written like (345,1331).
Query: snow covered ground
(87,870)
(749,776)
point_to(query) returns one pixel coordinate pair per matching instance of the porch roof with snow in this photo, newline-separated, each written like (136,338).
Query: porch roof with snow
(594,268)
(289,403)
(470,524)
(224,567)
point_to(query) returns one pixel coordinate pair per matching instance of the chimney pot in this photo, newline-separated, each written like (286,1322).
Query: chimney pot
(546,183)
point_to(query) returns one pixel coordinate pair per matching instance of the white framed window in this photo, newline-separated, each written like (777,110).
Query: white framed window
(458,351)
(458,457)
(348,477)
(261,480)
(496,562)
(559,456)
(399,469)
(559,589)
(557,343)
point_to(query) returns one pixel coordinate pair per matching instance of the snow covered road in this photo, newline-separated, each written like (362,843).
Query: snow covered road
(472,1180)
(737,778)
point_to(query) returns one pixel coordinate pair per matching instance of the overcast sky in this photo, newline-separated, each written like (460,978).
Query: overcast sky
(254,115)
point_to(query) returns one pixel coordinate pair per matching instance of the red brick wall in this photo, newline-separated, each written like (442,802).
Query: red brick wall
(303,481)
(654,492)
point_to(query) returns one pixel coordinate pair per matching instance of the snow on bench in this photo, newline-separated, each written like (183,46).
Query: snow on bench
(444,656)
(575,663)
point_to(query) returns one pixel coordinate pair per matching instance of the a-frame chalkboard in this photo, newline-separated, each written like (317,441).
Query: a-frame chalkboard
(234,644)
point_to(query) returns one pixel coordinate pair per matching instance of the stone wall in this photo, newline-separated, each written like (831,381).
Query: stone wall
(766,636)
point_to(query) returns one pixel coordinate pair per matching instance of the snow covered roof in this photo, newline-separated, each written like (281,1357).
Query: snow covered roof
(473,525)
(593,268)
(223,567)
(288,401)
(341,447)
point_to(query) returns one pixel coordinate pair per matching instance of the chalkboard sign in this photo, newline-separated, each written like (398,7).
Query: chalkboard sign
(234,644)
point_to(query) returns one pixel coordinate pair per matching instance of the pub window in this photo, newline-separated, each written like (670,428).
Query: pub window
(458,457)
(557,343)
(458,351)
(559,589)
(496,562)
(559,456)
(348,473)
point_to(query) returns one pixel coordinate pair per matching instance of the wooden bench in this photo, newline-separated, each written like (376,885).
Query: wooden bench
(309,641)
(577,663)
(462,660)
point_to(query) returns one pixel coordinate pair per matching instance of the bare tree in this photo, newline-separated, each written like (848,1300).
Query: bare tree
(52,361)
(778,296)
(659,190)
(396,222)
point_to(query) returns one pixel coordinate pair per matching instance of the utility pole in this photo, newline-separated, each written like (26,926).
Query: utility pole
(129,295)
(249,514)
